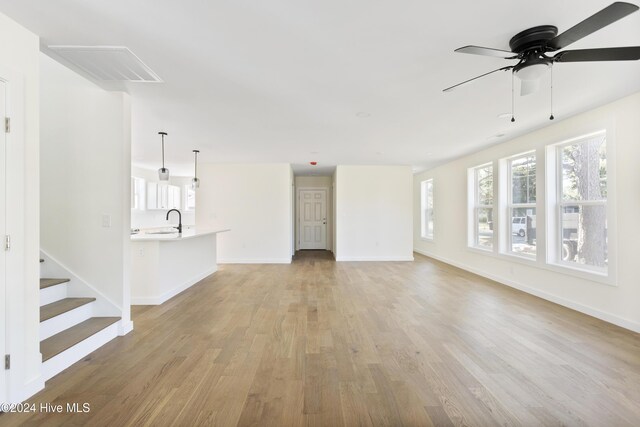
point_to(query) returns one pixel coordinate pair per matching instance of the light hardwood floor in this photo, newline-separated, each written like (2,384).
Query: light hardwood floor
(325,343)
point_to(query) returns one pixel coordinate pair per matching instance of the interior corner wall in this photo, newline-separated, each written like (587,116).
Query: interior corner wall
(85,180)
(19,65)
(618,304)
(253,201)
(292,203)
(322,182)
(334,217)
(374,209)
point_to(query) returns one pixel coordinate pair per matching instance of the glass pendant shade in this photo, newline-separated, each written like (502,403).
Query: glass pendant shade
(195,183)
(163,173)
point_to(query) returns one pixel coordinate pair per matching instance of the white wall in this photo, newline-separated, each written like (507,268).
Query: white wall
(325,182)
(85,175)
(157,218)
(374,209)
(334,218)
(255,202)
(617,304)
(19,52)
(292,196)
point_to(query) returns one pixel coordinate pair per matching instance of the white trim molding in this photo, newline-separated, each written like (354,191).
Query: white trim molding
(593,312)
(160,299)
(378,259)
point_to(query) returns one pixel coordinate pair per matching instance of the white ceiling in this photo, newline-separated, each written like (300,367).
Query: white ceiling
(337,82)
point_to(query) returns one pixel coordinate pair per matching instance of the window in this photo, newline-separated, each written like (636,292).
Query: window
(189,198)
(137,193)
(581,203)
(522,205)
(427,208)
(569,231)
(482,206)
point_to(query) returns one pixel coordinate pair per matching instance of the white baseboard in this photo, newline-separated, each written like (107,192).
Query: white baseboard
(368,258)
(159,299)
(124,327)
(255,261)
(29,389)
(594,312)
(62,361)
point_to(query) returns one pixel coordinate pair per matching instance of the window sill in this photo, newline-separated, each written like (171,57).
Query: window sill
(592,276)
(530,261)
(478,250)
(428,239)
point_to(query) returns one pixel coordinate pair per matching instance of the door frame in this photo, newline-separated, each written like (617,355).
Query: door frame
(3,229)
(21,340)
(298,222)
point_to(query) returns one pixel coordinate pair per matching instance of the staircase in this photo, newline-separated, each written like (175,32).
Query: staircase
(69,330)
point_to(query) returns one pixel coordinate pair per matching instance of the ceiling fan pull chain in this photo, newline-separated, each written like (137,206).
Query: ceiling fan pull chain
(513,119)
(551,116)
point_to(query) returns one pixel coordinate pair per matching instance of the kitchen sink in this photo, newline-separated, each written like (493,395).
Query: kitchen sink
(163,232)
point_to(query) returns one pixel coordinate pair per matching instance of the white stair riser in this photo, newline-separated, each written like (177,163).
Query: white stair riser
(66,320)
(62,361)
(53,294)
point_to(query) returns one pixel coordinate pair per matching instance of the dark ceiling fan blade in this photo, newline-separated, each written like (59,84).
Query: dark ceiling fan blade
(486,51)
(606,16)
(449,89)
(630,53)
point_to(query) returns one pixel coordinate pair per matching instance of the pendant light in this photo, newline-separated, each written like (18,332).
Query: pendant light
(163,173)
(195,182)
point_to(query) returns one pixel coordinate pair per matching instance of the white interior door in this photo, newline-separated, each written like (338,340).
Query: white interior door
(312,215)
(3,233)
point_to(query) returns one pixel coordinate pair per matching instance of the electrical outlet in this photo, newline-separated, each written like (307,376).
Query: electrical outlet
(106,220)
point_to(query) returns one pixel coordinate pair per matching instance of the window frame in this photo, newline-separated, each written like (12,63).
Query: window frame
(424,208)
(561,204)
(555,206)
(510,205)
(187,191)
(138,194)
(475,206)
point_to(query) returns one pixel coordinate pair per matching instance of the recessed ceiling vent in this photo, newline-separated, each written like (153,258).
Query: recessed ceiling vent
(107,63)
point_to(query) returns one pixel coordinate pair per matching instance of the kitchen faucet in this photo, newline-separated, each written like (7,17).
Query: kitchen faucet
(179,227)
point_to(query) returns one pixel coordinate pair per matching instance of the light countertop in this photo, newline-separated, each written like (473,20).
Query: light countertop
(186,234)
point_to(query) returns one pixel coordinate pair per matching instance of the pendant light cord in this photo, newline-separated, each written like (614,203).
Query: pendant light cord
(162,151)
(513,109)
(551,116)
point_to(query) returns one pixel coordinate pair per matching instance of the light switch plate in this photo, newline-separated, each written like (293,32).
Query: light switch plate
(106,220)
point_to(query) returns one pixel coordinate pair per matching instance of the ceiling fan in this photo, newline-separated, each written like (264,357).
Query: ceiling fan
(530,48)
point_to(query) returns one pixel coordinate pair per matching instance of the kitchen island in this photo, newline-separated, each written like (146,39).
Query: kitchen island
(164,264)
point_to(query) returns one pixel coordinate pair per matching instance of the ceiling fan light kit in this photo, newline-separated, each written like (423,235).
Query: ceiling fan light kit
(531,46)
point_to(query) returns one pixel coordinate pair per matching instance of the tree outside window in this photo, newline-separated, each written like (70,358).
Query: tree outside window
(583,201)
(483,207)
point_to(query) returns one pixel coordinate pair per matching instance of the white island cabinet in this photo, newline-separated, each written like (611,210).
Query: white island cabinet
(163,265)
